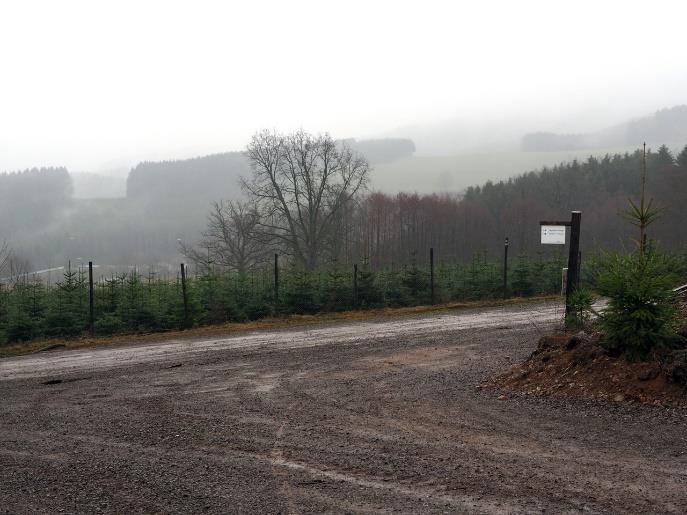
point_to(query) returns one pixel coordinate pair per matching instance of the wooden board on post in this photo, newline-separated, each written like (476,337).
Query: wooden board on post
(553,236)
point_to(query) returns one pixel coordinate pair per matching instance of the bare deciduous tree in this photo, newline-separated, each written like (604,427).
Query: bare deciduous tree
(300,185)
(4,256)
(12,266)
(230,239)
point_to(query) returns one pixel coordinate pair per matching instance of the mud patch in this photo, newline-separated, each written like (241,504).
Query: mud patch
(576,365)
(434,357)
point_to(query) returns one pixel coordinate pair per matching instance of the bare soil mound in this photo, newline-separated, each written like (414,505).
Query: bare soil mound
(576,365)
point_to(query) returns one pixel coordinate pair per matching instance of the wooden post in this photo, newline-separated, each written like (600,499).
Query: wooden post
(579,267)
(183,292)
(91,313)
(574,258)
(573,261)
(276,283)
(505,268)
(431,274)
(355,285)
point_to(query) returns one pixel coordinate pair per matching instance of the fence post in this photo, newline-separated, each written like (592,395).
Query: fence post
(573,261)
(183,292)
(276,283)
(579,266)
(431,274)
(91,313)
(505,268)
(355,285)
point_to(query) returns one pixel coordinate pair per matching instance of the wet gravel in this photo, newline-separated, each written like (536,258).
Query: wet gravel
(375,416)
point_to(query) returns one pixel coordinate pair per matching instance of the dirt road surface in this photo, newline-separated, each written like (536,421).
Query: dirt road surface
(378,416)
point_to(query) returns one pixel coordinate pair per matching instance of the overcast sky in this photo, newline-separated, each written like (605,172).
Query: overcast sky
(93,84)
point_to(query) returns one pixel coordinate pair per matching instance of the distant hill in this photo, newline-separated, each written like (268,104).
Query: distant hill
(202,180)
(665,126)
(383,150)
(30,199)
(454,173)
(93,185)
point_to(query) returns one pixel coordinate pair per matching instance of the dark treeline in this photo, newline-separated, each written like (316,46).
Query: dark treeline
(199,180)
(29,199)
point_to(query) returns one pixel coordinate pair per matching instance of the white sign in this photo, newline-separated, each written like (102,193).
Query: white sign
(553,234)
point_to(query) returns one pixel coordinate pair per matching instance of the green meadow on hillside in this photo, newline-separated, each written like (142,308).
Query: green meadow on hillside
(453,174)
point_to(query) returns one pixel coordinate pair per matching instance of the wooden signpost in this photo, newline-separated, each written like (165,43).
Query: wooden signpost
(553,233)
(505,268)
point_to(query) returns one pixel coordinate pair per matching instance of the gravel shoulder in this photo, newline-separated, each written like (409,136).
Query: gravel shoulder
(345,417)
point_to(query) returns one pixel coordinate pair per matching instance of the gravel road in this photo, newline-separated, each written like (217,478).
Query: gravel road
(383,415)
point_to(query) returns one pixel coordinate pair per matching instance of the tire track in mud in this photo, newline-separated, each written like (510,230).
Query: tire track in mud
(280,467)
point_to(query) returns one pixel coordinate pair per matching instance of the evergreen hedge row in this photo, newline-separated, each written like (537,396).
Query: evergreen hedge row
(30,308)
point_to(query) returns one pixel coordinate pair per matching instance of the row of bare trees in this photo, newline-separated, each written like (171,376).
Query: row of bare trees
(11,264)
(300,187)
(232,239)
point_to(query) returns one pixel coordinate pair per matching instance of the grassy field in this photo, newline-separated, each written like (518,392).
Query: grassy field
(452,174)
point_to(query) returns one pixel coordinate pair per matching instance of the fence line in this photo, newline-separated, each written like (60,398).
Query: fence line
(131,301)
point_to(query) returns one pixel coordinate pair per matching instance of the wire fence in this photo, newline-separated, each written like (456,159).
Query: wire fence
(134,302)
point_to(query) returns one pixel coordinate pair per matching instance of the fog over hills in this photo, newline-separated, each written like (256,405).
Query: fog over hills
(667,126)
(447,156)
(140,217)
(453,155)
(537,132)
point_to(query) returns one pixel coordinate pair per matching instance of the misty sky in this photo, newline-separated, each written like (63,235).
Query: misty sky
(93,85)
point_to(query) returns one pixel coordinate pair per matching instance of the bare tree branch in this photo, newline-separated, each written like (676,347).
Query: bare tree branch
(5,254)
(231,239)
(299,186)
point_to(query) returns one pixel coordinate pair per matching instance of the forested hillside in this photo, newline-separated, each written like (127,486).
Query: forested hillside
(164,186)
(394,227)
(30,199)
(665,126)
(201,180)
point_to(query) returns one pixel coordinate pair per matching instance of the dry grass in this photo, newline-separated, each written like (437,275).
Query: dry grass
(230,328)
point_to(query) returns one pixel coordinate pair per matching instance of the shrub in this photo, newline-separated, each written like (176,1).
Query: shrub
(339,290)
(581,301)
(640,318)
(65,324)
(108,324)
(369,293)
(522,285)
(416,283)
(21,328)
(301,297)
